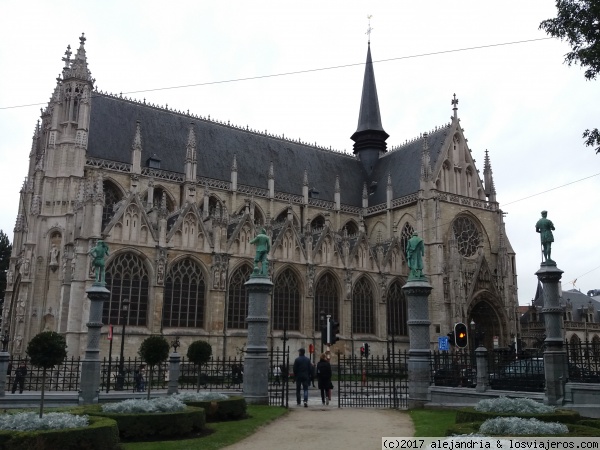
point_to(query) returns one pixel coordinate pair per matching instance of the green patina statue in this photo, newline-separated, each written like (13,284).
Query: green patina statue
(263,246)
(544,226)
(415,250)
(98,253)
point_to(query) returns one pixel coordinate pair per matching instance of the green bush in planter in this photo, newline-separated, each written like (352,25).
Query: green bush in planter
(465,415)
(101,434)
(144,426)
(234,408)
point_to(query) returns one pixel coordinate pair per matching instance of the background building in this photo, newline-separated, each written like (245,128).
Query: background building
(178,198)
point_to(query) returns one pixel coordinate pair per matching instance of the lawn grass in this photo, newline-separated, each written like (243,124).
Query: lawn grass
(225,433)
(432,422)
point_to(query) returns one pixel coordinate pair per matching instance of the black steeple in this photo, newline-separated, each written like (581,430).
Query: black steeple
(369,137)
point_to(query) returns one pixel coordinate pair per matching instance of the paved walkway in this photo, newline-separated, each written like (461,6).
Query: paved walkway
(329,428)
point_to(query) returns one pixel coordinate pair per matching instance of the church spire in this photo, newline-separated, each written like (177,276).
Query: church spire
(369,137)
(190,155)
(490,189)
(77,67)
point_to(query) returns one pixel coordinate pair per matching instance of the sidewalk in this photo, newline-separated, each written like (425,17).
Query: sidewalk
(330,428)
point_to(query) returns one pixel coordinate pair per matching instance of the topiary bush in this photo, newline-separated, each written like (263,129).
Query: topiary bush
(505,405)
(156,405)
(154,350)
(100,434)
(233,408)
(465,415)
(199,352)
(146,426)
(517,426)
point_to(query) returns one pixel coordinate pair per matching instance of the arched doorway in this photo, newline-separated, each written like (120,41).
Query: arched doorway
(486,322)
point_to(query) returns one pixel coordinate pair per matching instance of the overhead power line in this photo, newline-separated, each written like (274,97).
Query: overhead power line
(299,72)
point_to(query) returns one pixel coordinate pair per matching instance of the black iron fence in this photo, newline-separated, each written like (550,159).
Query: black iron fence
(377,381)
(279,376)
(517,371)
(64,377)
(456,369)
(584,361)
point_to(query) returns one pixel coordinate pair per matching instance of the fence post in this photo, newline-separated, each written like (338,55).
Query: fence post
(481,358)
(4,361)
(174,370)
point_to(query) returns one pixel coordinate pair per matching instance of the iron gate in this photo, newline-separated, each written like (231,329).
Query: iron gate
(376,382)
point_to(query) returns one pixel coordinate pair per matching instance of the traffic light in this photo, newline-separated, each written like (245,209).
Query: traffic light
(362,351)
(451,339)
(324,335)
(335,329)
(366,347)
(460,334)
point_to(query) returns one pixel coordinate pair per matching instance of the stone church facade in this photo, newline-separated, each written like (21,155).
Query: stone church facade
(178,197)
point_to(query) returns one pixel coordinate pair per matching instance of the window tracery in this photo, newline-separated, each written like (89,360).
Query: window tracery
(397,311)
(112,196)
(286,302)
(184,295)
(126,278)
(326,299)
(363,320)
(237,308)
(467,236)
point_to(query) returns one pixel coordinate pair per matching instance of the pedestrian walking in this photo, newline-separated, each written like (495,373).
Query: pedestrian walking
(302,368)
(138,380)
(324,379)
(20,374)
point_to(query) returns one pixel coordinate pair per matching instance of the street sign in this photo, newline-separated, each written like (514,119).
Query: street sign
(311,349)
(110,333)
(443,343)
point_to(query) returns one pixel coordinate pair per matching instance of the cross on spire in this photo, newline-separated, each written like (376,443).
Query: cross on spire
(454,102)
(369,29)
(67,57)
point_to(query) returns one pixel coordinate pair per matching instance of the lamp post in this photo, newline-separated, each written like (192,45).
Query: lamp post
(322,317)
(121,374)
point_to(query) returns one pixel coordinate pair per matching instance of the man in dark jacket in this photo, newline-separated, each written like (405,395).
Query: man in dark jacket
(20,374)
(302,369)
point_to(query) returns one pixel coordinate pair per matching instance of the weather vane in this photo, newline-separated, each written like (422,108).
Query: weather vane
(368,33)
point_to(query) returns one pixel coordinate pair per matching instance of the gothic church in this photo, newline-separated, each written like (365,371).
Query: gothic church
(178,197)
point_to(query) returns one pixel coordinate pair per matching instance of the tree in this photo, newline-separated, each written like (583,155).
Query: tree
(199,352)
(46,350)
(154,350)
(578,22)
(5,251)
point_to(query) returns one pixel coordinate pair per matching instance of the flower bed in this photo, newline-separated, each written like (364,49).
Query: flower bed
(219,410)
(101,433)
(154,419)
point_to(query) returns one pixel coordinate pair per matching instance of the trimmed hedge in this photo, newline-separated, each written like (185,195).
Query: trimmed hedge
(234,408)
(101,434)
(465,415)
(154,425)
(594,423)
(574,430)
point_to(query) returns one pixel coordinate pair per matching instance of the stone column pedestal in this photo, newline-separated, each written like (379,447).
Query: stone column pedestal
(419,354)
(481,359)
(4,361)
(91,364)
(174,371)
(256,363)
(555,356)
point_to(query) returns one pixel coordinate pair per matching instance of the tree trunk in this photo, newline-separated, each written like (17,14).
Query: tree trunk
(198,385)
(150,384)
(43,390)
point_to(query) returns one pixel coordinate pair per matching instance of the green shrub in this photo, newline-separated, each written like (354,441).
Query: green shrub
(137,426)
(517,426)
(471,415)
(594,423)
(101,434)
(577,429)
(233,408)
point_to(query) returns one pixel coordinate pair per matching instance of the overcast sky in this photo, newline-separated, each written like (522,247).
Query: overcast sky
(518,101)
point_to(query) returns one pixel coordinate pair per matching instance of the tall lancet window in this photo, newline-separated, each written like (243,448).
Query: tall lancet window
(237,307)
(327,299)
(363,320)
(407,231)
(184,295)
(286,302)
(126,278)
(397,311)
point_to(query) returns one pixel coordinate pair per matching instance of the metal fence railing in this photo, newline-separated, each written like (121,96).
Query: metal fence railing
(64,377)
(456,368)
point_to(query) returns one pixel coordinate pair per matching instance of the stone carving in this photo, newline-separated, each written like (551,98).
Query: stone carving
(9,277)
(348,281)
(161,263)
(310,272)
(24,269)
(54,256)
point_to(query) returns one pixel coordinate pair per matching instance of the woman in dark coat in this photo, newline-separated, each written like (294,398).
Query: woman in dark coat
(324,378)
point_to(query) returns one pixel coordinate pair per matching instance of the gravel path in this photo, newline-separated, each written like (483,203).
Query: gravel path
(329,428)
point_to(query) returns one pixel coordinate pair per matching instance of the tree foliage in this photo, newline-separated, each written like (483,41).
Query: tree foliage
(5,251)
(47,349)
(199,352)
(578,23)
(154,350)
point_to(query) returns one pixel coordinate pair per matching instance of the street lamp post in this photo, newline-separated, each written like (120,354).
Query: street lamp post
(121,374)
(322,317)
